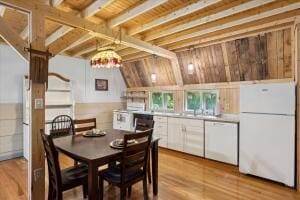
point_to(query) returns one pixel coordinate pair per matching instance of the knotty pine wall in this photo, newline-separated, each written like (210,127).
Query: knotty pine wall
(264,57)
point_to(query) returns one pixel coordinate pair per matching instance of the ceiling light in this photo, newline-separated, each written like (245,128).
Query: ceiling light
(190,68)
(153,78)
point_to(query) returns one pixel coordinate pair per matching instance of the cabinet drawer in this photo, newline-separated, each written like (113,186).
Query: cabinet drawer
(192,122)
(174,120)
(160,119)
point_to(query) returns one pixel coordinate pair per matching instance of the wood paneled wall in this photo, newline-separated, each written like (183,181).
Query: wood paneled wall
(138,73)
(262,57)
(101,111)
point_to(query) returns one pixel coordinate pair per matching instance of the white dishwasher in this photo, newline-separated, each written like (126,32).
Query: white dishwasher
(221,142)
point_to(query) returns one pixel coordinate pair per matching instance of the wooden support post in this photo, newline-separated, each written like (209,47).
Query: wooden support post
(36,159)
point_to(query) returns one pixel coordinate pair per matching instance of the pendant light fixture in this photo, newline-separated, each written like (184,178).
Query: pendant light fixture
(191,67)
(106,57)
(153,75)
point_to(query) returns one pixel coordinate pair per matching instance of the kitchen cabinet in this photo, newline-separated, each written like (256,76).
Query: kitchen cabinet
(161,130)
(186,135)
(221,142)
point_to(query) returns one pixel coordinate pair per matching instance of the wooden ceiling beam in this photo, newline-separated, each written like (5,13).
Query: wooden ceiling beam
(237,22)
(94,7)
(13,39)
(233,34)
(2,11)
(134,12)
(70,19)
(174,15)
(25,33)
(57,34)
(86,13)
(213,17)
(56,3)
(81,40)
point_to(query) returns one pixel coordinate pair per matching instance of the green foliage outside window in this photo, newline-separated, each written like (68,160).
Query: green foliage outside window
(193,100)
(157,100)
(162,101)
(169,101)
(204,100)
(210,100)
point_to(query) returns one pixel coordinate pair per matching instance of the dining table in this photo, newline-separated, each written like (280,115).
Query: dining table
(96,152)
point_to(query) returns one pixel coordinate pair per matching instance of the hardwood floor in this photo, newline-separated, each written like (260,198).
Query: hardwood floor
(181,177)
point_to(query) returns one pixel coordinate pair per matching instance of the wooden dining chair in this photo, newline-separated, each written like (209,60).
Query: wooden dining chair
(81,125)
(141,125)
(62,125)
(132,167)
(62,180)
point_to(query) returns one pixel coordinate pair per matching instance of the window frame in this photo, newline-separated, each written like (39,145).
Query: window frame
(202,104)
(164,108)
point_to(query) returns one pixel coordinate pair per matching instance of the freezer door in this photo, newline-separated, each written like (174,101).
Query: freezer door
(277,98)
(267,147)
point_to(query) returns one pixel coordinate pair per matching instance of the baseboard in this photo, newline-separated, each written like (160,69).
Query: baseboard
(11,155)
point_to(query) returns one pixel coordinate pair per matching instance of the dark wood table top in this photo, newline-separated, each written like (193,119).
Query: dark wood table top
(89,149)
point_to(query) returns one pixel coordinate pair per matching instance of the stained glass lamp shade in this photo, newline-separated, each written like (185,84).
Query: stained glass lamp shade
(107,59)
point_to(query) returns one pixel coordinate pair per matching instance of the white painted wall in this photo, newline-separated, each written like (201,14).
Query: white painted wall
(13,68)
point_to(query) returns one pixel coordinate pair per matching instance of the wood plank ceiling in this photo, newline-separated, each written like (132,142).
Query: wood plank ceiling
(175,25)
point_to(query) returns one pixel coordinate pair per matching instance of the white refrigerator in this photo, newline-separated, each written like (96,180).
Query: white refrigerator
(267,131)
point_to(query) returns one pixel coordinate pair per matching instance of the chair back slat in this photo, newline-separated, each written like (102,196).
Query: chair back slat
(62,125)
(84,124)
(135,156)
(143,124)
(54,172)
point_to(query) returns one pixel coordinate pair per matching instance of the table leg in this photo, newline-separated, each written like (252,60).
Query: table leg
(93,182)
(154,155)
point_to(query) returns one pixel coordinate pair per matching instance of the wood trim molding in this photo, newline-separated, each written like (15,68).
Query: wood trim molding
(208,85)
(56,75)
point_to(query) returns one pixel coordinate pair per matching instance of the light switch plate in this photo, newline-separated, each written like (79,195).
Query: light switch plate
(38,103)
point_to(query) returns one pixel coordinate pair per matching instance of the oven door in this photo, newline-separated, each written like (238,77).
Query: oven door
(123,121)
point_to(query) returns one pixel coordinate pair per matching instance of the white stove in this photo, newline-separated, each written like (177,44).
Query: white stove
(123,119)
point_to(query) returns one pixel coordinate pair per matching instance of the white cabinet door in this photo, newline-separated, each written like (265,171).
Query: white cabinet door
(221,142)
(175,134)
(194,137)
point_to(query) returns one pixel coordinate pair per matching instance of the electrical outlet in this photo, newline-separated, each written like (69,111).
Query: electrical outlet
(38,103)
(38,173)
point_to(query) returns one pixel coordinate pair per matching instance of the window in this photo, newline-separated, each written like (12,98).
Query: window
(201,100)
(162,101)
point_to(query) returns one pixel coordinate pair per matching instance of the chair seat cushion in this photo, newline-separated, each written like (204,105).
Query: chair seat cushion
(113,174)
(74,176)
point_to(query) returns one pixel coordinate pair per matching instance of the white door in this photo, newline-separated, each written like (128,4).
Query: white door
(175,134)
(267,146)
(221,142)
(194,140)
(277,98)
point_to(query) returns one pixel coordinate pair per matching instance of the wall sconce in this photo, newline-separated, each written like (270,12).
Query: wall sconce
(190,68)
(153,78)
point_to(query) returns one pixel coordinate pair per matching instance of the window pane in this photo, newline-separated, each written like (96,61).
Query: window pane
(210,101)
(157,100)
(169,101)
(193,100)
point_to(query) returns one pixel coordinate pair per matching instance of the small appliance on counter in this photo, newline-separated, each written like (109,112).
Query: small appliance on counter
(123,119)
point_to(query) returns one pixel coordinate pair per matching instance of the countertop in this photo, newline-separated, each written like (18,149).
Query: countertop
(233,118)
